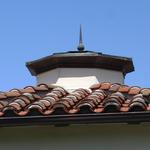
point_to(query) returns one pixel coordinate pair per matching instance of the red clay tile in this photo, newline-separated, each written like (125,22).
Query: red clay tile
(48,112)
(145,92)
(1,114)
(27,90)
(105,86)
(138,103)
(30,89)
(73,111)
(101,98)
(114,87)
(25,99)
(63,105)
(124,109)
(95,86)
(43,85)
(12,94)
(148,107)
(15,105)
(3,96)
(21,102)
(41,88)
(45,102)
(23,113)
(134,90)
(124,89)
(16,91)
(50,96)
(3,104)
(35,107)
(99,109)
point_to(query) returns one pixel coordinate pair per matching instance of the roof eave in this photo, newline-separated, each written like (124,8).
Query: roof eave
(122,64)
(61,120)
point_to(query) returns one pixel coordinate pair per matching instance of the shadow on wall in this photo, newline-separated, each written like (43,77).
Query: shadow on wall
(120,137)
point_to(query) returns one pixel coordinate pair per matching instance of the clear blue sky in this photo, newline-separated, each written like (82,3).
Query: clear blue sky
(31,29)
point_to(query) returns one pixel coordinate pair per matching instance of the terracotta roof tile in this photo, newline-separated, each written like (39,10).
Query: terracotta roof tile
(134,90)
(95,86)
(114,87)
(2,95)
(48,100)
(145,92)
(105,85)
(12,94)
(124,88)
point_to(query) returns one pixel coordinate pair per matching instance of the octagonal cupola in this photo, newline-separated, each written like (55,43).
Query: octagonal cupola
(80,68)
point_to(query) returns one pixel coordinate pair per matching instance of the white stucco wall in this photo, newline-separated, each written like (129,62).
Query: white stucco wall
(72,78)
(77,137)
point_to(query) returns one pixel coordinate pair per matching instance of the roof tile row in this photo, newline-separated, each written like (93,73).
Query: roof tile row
(48,100)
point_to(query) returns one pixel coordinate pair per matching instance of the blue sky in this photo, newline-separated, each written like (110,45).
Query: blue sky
(31,29)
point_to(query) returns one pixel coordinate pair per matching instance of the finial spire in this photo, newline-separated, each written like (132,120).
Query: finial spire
(81,46)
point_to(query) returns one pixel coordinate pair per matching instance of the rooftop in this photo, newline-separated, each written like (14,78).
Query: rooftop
(81,58)
(77,59)
(102,103)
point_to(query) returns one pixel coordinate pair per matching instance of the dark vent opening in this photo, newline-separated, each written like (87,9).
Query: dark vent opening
(136,108)
(112,107)
(59,111)
(86,109)
(10,113)
(34,112)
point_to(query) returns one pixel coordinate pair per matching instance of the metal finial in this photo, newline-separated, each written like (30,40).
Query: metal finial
(81,46)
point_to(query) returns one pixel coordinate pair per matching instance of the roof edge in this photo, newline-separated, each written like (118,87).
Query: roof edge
(81,60)
(128,117)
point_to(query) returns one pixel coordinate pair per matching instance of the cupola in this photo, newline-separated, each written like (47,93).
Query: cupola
(80,68)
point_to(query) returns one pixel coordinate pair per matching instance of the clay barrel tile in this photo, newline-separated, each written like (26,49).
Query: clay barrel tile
(134,90)
(124,89)
(105,85)
(145,91)
(114,87)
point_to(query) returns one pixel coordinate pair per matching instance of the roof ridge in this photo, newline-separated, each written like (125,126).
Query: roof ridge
(113,87)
